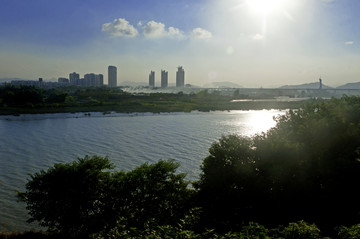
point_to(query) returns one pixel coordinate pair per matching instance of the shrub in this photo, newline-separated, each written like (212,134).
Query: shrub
(352,232)
(301,230)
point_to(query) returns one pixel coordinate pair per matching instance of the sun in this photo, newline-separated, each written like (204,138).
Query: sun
(265,7)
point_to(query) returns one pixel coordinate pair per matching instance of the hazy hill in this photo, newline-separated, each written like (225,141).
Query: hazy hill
(223,84)
(355,85)
(314,85)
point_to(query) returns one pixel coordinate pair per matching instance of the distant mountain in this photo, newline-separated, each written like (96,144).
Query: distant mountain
(314,85)
(355,86)
(223,84)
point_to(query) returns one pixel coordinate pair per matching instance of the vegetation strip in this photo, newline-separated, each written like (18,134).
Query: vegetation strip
(15,100)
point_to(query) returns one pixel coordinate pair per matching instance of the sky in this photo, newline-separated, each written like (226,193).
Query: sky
(253,43)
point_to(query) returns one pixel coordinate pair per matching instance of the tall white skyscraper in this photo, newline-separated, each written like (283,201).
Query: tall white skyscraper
(164,79)
(112,76)
(152,79)
(180,77)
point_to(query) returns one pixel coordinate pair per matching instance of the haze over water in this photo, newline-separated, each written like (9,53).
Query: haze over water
(34,142)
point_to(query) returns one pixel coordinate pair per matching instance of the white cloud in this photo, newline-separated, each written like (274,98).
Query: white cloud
(175,32)
(349,42)
(119,27)
(154,29)
(257,37)
(200,33)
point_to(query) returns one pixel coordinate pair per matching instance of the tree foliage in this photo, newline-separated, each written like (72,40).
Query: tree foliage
(69,198)
(301,230)
(352,232)
(307,167)
(86,196)
(20,96)
(150,191)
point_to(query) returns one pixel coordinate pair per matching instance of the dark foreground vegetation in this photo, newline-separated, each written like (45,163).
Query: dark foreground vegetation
(26,99)
(297,181)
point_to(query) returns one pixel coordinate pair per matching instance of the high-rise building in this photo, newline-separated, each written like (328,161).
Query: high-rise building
(74,77)
(180,77)
(63,80)
(92,79)
(164,79)
(99,80)
(152,79)
(89,79)
(112,76)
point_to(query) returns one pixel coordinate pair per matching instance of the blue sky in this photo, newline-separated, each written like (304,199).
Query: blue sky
(254,43)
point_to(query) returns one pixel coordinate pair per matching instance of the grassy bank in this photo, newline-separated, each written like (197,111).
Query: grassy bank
(93,100)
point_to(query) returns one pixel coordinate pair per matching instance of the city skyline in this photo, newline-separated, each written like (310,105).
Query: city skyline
(253,43)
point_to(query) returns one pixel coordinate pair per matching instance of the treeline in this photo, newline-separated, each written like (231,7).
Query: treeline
(29,96)
(29,99)
(298,180)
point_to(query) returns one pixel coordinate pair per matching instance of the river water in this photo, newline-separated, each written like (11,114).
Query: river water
(30,143)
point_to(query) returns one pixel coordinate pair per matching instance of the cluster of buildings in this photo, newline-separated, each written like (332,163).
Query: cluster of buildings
(89,80)
(97,80)
(92,79)
(180,78)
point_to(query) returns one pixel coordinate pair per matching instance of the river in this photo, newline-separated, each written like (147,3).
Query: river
(30,143)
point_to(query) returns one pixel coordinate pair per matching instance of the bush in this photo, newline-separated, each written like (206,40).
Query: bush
(301,230)
(255,230)
(352,232)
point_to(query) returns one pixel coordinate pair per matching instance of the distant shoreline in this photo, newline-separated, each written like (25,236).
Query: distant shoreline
(248,104)
(31,100)
(43,116)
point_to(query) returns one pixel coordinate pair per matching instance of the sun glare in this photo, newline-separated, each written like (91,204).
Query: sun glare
(265,6)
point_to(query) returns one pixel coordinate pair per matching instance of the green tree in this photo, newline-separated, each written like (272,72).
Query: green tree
(84,197)
(150,191)
(69,198)
(228,177)
(304,168)
(21,95)
(301,230)
(352,232)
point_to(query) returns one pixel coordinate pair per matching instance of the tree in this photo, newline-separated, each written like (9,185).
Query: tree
(227,182)
(69,198)
(84,197)
(322,163)
(301,230)
(151,191)
(304,168)
(21,95)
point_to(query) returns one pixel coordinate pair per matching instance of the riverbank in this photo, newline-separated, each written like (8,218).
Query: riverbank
(29,100)
(155,107)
